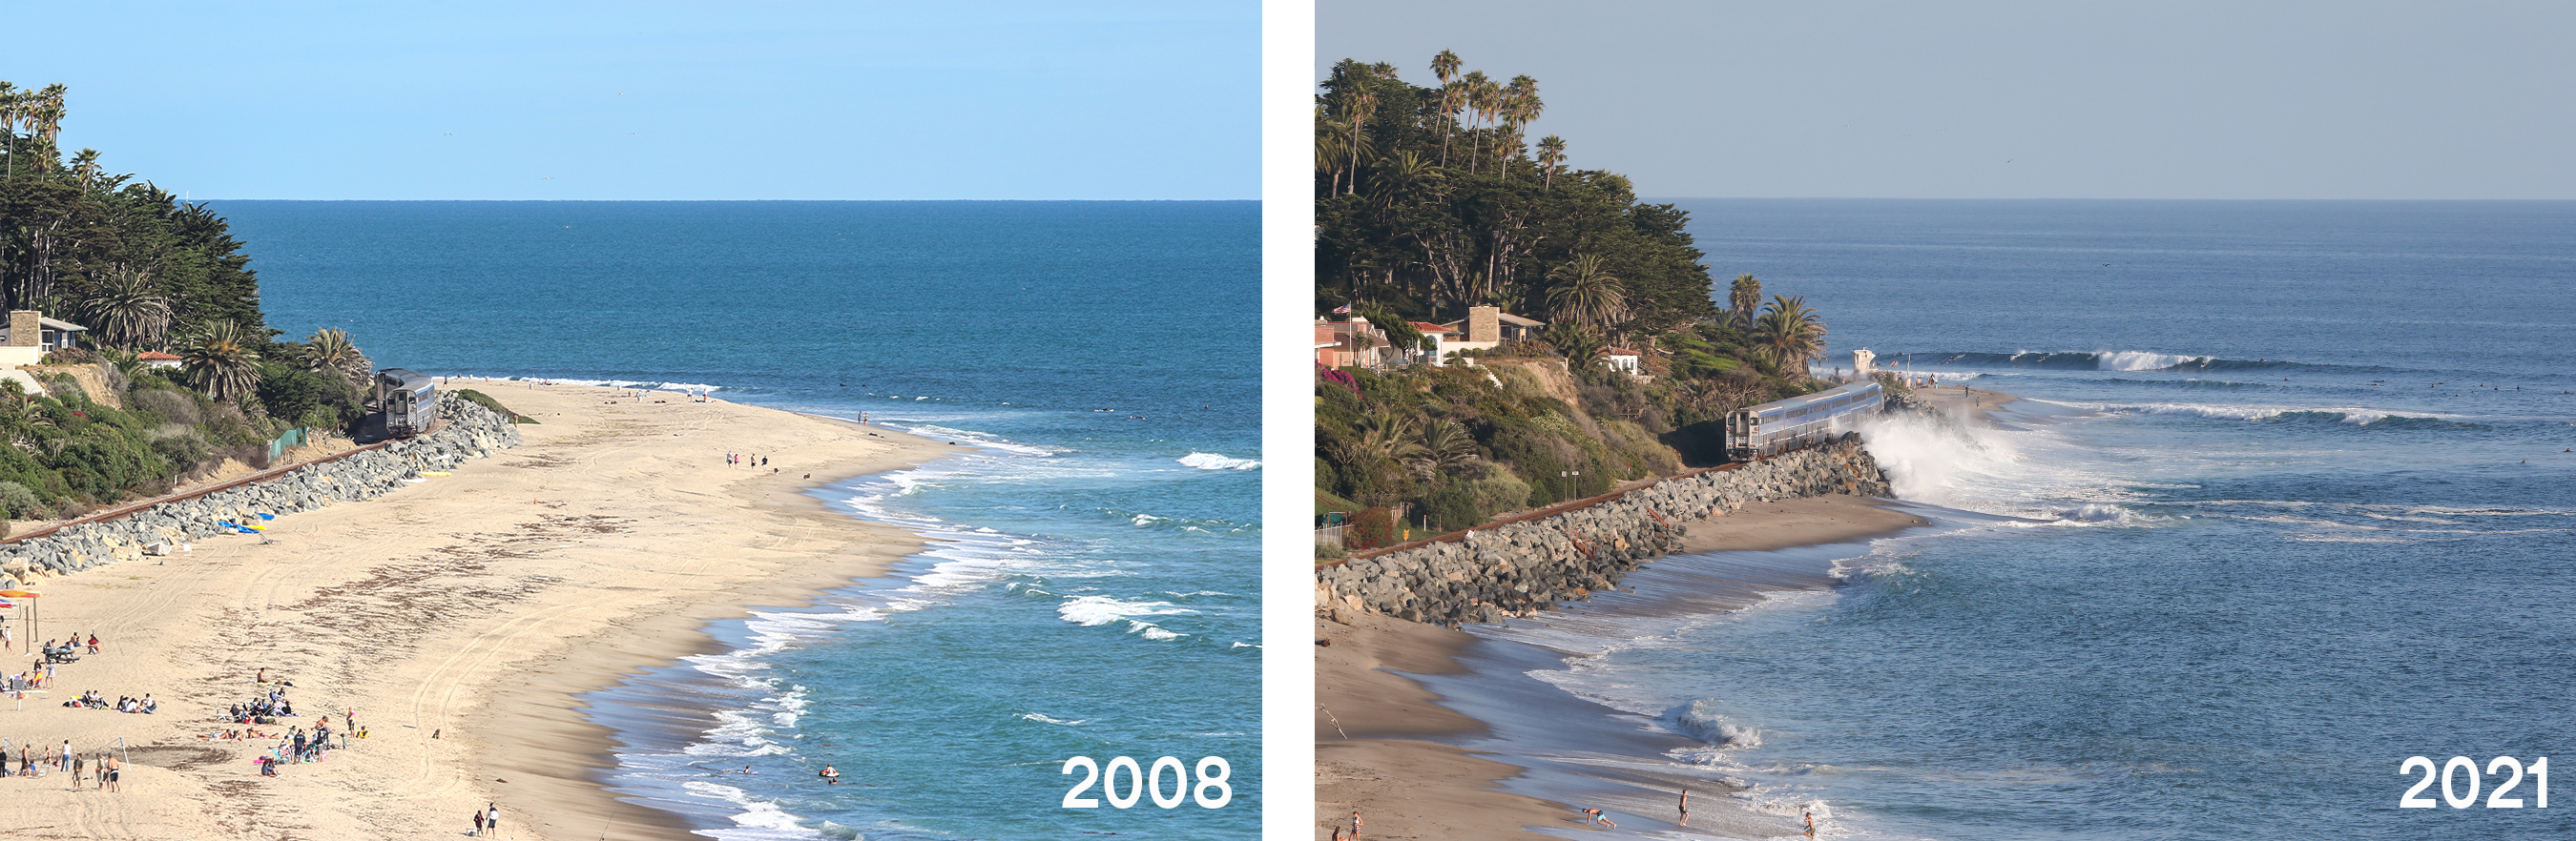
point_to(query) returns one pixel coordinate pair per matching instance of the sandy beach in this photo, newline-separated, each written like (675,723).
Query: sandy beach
(456,618)
(1383,740)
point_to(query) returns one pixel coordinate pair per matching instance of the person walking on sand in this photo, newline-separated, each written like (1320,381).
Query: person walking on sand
(1685,807)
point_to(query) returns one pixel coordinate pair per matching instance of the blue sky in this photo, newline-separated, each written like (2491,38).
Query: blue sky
(2361,99)
(534,100)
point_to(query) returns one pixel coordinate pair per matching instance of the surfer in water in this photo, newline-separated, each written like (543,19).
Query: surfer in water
(831,775)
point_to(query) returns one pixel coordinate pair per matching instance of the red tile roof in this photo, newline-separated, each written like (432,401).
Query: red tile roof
(156,356)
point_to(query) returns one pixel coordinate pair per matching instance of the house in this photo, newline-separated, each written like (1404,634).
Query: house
(1441,338)
(157,359)
(29,335)
(1486,327)
(1336,348)
(1622,360)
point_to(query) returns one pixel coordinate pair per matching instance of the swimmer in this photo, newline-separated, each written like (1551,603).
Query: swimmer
(831,775)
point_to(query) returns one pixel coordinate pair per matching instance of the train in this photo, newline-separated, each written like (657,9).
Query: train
(408,399)
(1777,427)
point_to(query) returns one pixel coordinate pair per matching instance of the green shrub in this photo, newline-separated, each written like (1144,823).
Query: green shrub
(1448,509)
(19,502)
(486,401)
(1497,492)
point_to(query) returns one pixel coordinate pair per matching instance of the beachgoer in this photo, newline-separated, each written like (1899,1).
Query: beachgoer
(478,821)
(1594,817)
(831,775)
(1355,825)
(67,756)
(1811,823)
(77,770)
(93,643)
(1685,807)
(110,772)
(492,820)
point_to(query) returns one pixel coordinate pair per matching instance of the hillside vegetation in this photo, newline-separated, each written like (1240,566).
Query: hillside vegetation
(1429,200)
(144,272)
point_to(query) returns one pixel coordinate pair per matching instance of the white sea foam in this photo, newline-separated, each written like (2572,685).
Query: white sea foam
(649,385)
(1093,611)
(1701,720)
(1043,717)
(1212,461)
(2131,360)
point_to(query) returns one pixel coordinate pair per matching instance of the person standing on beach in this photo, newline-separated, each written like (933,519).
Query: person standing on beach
(67,756)
(1685,807)
(1355,825)
(492,819)
(478,822)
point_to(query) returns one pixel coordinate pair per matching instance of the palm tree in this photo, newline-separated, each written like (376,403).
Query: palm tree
(1445,66)
(1402,176)
(1520,105)
(1329,148)
(1551,151)
(329,351)
(1445,447)
(1586,293)
(19,419)
(220,362)
(125,311)
(1357,107)
(1791,332)
(1744,298)
(1482,94)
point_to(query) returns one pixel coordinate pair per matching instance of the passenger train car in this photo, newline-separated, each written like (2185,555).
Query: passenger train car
(1773,428)
(409,400)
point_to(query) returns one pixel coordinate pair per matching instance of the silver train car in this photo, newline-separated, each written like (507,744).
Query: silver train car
(1773,428)
(409,400)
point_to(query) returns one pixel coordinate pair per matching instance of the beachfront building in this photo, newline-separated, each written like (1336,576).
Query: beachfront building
(1486,327)
(1350,344)
(29,335)
(1442,339)
(157,359)
(26,339)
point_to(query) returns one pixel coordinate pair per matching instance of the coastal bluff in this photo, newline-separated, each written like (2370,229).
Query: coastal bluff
(1519,567)
(471,431)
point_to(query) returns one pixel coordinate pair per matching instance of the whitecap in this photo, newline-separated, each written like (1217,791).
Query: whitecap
(1213,461)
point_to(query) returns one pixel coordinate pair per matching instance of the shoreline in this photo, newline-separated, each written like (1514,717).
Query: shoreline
(1433,732)
(462,619)
(1426,714)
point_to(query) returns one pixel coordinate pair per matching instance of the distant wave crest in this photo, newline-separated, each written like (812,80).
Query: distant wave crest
(1212,461)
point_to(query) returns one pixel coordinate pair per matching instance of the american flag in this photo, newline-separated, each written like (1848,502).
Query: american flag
(1344,309)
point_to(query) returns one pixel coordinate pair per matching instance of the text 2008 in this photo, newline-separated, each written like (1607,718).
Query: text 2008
(2452,772)
(1212,792)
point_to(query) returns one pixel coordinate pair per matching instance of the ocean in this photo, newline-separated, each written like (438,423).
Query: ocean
(2288,500)
(1092,582)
